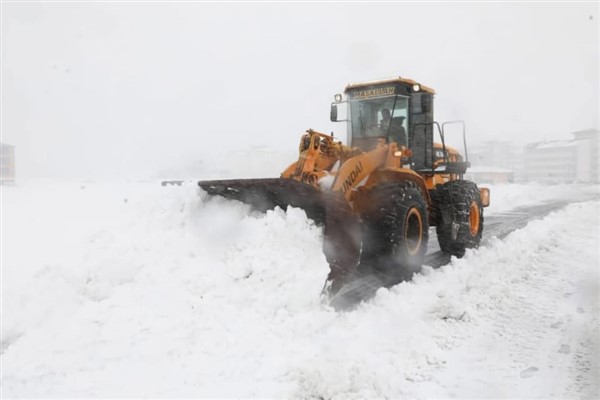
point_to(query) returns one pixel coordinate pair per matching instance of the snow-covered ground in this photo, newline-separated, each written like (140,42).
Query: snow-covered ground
(137,290)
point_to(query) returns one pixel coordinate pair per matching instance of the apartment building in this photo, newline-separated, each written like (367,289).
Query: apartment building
(564,161)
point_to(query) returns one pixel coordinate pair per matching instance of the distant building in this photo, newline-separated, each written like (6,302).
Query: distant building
(588,152)
(564,161)
(494,162)
(494,153)
(7,163)
(551,162)
(491,175)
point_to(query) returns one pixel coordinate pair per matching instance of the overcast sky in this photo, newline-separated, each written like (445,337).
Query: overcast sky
(125,89)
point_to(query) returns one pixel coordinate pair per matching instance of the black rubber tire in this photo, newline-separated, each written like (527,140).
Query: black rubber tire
(395,231)
(456,201)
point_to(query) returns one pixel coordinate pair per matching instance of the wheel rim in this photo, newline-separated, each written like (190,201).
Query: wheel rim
(413,231)
(474,218)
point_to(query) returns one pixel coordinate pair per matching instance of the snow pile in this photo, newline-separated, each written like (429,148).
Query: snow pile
(170,275)
(134,290)
(517,319)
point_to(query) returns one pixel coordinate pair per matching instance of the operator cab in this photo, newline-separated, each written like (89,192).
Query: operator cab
(397,110)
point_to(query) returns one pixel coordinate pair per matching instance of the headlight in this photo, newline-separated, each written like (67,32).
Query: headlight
(338,98)
(416,87)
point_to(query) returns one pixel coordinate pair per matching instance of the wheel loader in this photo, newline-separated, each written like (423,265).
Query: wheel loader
(377,195)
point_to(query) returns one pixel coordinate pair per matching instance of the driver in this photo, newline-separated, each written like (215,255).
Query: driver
(397,131)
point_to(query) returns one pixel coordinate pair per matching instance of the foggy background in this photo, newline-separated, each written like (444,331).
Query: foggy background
(127,90)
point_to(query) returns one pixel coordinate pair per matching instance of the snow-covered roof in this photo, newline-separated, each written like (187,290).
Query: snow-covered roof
(553,144)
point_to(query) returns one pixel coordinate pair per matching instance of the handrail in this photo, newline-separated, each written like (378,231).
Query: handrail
(463,132)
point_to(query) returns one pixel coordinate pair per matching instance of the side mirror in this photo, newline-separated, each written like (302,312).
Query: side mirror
(333,113)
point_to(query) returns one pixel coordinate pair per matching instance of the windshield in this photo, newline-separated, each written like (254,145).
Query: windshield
(380,117)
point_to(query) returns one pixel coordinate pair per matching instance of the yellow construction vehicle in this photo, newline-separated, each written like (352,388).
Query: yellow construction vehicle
(378,195)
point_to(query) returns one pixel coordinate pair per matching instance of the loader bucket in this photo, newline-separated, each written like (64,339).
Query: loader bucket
(266,194)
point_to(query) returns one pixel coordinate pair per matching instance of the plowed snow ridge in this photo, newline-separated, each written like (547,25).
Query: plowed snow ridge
(134,291)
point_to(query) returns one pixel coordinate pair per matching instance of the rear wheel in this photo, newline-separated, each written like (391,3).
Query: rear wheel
(394,231)
(459,216)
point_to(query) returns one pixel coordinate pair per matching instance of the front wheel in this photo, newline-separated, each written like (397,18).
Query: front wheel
(394,231)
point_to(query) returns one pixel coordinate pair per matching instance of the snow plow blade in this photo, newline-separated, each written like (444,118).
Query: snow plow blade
(266,194)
